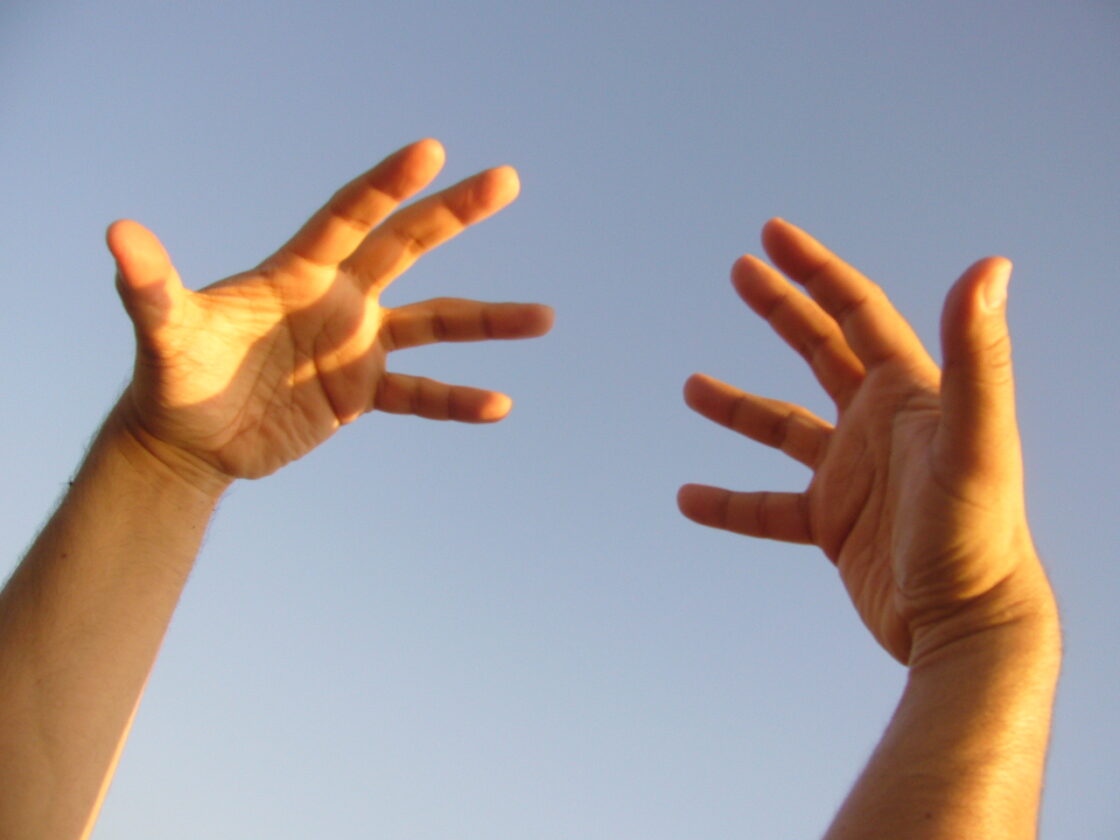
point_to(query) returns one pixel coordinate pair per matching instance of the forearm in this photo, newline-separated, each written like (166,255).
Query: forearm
(81,622)
(965,752)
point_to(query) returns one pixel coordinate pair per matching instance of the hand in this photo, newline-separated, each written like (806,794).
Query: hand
(916,493)
(250,373)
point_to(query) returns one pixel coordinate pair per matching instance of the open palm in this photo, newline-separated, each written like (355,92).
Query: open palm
(916,493)
(256,370)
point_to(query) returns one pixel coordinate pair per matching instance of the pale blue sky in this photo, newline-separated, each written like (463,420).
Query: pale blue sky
(425,630)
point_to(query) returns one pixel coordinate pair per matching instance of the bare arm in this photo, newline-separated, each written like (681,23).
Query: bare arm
(81,622)
(964,753)
(916,496)
(232,381)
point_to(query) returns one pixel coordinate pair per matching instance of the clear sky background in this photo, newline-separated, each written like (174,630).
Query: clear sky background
(431,631)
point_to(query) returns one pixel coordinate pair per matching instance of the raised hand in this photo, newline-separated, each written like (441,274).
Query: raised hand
(916,493)
(254,371)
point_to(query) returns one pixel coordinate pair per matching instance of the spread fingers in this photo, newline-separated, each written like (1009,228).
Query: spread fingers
(803,325)
(418,228)
(339,227)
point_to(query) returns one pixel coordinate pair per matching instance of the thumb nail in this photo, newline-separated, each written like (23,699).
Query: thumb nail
(995,288)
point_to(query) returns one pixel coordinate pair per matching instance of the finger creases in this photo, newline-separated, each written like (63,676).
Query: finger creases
(873,328)
(340,226)
(977,386)
(802,324)
(794,430)
(400,240)
(455,319)
(402,394)
(769,515)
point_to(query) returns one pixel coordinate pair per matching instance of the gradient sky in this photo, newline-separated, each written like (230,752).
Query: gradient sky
(425,630)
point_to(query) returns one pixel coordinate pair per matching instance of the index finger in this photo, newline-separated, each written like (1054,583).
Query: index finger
(339,227)
(873,328)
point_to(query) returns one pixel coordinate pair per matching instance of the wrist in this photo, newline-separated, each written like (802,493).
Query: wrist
(1016,621)
(965,752)
(157,460)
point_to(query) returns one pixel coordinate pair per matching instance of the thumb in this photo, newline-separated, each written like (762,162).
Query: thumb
(977,388)
(147,282)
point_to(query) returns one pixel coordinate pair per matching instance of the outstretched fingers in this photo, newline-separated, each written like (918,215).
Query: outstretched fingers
(402,394)
(790,428)
(874,329)
(412,231)
(775,516)
(341,225)
(804,326)
(454,319)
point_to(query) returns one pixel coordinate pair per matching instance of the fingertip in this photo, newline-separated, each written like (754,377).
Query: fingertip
(518,320)
(493,407)
(499,186)
(430,150)
(422,161)
(779,233)
(541,319)
(693,501)
(692,387)
(115,231)
(122,236)
(997,276)
(778,237)
(510,174)
(140,256)
(411,169)
(1000,263)
(982,287)
(741,265)
(745,272)
(776,227)
(684,496)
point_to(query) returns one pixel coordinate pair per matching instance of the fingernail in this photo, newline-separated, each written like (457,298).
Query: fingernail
(995,289)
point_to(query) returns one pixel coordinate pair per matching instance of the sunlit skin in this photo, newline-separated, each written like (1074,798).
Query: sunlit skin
(252,372)
(916,493)
(232,381)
